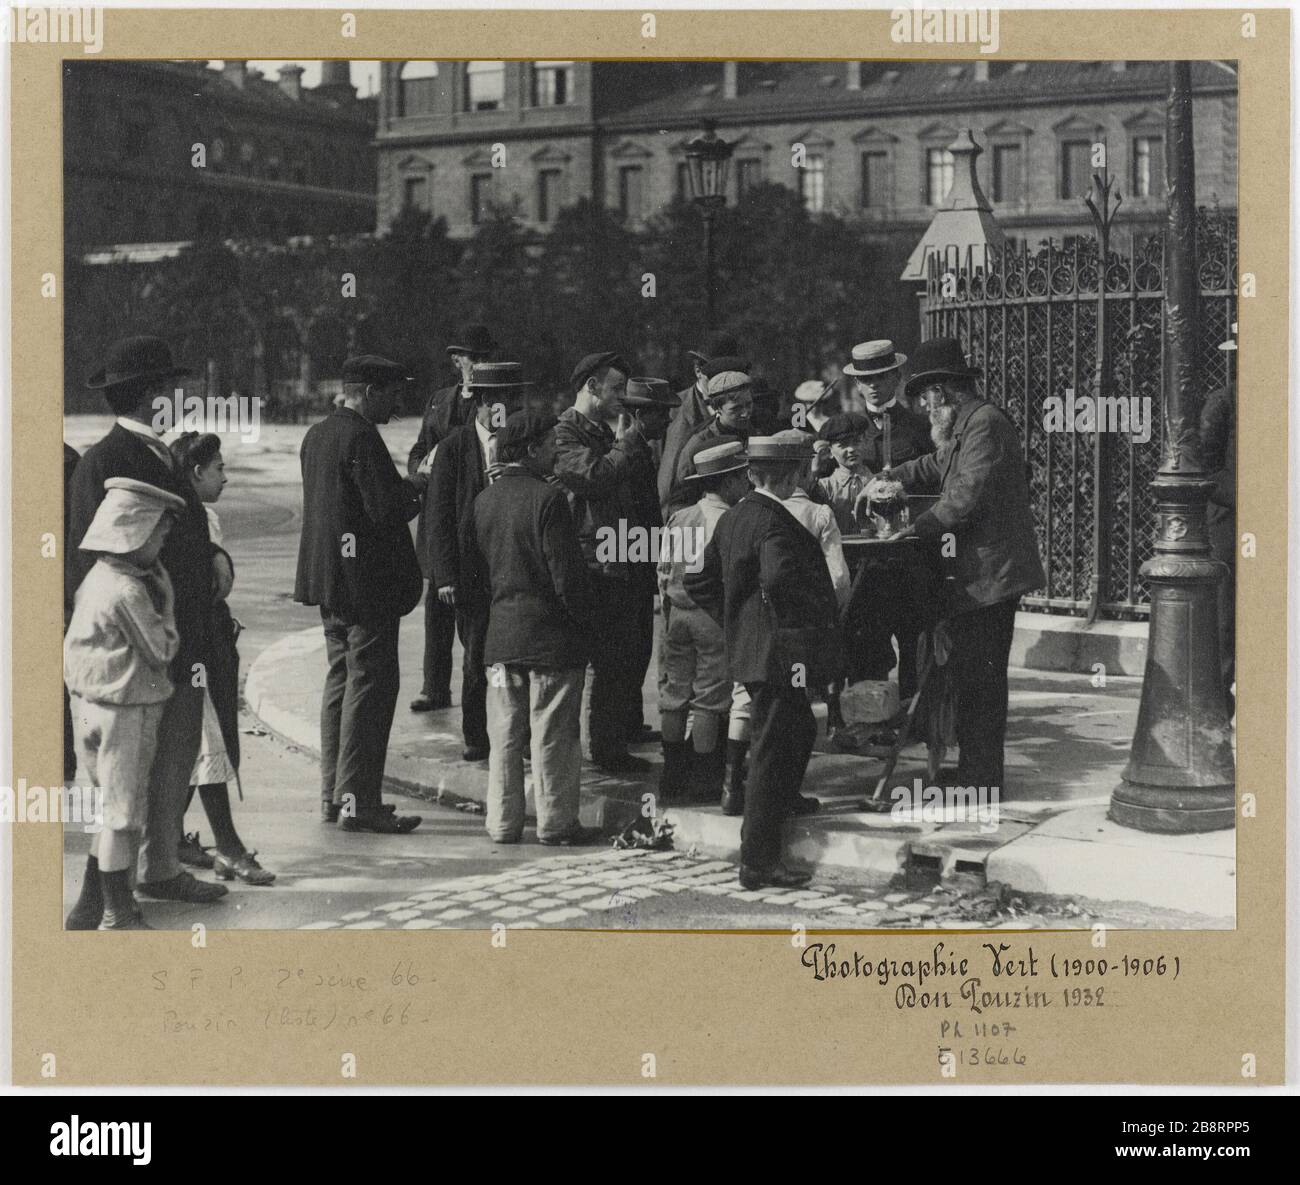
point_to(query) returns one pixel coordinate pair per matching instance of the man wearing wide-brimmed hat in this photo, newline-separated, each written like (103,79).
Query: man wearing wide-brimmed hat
(983,513)
(446,411)
(876,369)
(765,581)
(138,374)
(465,464)
(356,562)
(602,459)
(694,411)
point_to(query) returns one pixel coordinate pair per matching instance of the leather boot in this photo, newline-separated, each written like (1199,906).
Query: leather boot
(677,765)
(707,774)
(733,780)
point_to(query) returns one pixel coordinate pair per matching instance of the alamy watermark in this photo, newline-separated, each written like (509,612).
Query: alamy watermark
(1130,415)
(179,412)
(83,805)
(57,26)
(938,23)
(919,803)
(631,544)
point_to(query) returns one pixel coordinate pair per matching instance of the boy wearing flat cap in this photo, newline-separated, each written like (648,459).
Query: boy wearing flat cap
(693,406)
(765,581)
(357,563)
(119,642)
(602,459)
(522,547)
(731,403)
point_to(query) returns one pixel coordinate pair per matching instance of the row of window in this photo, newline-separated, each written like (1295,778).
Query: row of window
(483,86)
(1007,180)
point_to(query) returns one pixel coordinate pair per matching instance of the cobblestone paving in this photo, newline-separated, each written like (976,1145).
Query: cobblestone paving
(609,889)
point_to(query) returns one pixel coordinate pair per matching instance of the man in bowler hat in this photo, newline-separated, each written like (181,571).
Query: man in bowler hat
(979,474)
(466,464)
(139,371)
(356,561)
(601,459)
(447,409)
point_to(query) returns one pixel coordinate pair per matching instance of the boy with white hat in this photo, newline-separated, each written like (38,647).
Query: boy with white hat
(119,642)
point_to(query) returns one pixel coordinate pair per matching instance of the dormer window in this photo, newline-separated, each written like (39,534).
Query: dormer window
(552,84)
(485,86)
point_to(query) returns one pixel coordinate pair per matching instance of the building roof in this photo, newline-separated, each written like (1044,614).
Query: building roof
(688,91)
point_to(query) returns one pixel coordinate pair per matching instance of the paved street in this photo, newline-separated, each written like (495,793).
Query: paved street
(447,873)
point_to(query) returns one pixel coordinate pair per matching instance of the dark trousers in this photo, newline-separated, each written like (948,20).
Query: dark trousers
(782,734)
(981,648)
(643,643)
(471,625)
(888,610)
(439,634)
(356,711)
(614,679)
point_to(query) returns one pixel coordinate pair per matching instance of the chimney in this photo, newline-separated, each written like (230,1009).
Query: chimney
(235,72)
(336,80)
(981,70)
(729,73)
(291,82)
(853,76)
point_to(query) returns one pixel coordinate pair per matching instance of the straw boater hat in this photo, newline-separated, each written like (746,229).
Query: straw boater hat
(812,392)
(643,392)
(790,445)
(128,514)
(720,459)
(497,376)
(874,357)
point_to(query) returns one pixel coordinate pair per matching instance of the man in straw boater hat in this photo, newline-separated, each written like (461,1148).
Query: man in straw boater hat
(602,459)
(693,411)
(138,372)
(765,581)
(979,474)
(520,534)
(692,654)
(356,562)
(447,409)
(877,369)
(465,465)
(120,640)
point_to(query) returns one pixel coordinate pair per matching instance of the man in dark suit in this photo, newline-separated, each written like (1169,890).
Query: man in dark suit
(519,532)
(693,409)
(448,409)
(465,464)
(765,581)
(138,376)
(601,457)
(979,474)
(876,370)
(356,561)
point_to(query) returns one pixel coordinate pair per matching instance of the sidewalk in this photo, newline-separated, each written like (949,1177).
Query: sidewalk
(1066,745)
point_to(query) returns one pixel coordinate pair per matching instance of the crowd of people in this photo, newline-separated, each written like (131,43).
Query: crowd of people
(519,503)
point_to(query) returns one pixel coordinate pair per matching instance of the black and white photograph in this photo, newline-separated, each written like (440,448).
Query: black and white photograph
(650,495)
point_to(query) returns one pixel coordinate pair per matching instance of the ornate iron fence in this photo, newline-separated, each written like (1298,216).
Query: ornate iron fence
(1030,321)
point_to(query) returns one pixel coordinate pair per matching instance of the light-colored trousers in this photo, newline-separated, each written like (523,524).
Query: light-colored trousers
(547,700)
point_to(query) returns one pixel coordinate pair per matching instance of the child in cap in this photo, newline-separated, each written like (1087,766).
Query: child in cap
(845,433)
(119,642)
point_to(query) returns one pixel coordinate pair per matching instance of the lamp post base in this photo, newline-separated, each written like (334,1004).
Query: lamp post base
(1173,810)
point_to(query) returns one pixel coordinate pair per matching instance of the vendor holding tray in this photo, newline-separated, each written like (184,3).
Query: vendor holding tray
(983,521)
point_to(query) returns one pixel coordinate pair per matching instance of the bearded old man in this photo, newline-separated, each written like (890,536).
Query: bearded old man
(979,474)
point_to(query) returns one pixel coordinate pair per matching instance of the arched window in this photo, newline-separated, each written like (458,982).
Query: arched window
(485,86)
(417,88)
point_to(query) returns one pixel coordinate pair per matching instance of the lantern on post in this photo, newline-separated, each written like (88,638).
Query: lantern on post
(708,164)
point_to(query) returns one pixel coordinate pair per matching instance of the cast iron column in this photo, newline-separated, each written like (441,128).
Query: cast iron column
(1180,775)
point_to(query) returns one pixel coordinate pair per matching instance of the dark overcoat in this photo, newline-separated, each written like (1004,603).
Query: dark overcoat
(692,413)
(186,554)
(355,556)
(984,503)
(447,410)
(457,478)
(762,570)
(522,550)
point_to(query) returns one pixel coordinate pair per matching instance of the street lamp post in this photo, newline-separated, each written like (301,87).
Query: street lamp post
(1180,775)
(708,161)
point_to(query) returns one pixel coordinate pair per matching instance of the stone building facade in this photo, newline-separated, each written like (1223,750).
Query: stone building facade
(278,159)
(867,140)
